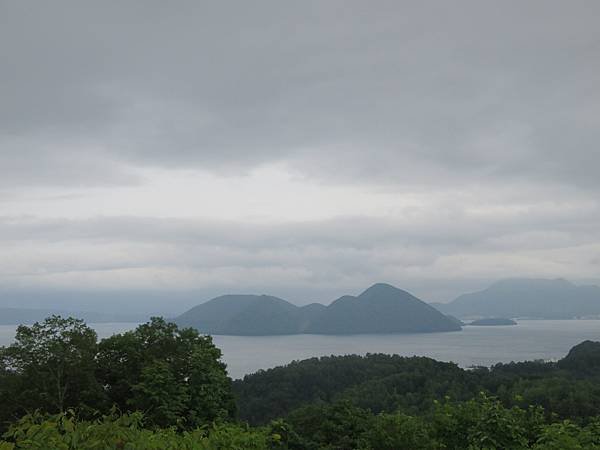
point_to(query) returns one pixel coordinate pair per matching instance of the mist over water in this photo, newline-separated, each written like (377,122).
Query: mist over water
(474,346)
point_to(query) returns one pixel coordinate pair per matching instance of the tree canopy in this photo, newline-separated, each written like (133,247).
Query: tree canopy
(175,376)
(50,366)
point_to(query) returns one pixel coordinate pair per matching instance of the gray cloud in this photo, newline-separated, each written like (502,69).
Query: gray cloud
(402,92)
(305,261)
(489,111)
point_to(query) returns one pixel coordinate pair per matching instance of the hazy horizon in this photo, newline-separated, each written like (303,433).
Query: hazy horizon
(139,304)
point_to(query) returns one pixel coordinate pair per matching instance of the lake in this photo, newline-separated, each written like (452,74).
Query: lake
(529,340)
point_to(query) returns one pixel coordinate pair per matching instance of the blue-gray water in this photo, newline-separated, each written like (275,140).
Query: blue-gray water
(530,339)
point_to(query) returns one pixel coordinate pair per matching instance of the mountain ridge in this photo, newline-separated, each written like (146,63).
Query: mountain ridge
(381,308)
(528,297)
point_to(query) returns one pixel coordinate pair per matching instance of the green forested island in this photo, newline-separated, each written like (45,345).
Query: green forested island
(380,309)
(164,387)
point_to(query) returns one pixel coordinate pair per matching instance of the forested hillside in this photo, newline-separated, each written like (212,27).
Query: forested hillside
(162,387)
(387,383)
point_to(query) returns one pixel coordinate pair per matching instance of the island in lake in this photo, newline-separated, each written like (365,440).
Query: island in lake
(382,308)
(492,321)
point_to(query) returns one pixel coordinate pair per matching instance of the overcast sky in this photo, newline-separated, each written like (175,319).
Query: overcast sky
(304,149)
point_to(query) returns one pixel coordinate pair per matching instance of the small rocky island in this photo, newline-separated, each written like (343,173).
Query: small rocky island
(492,321)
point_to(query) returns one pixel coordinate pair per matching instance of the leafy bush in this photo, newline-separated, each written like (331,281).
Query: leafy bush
(65,432)
(478,424)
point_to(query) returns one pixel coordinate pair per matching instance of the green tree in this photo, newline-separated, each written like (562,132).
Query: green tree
(336,426)
(160,392)
(483,423)
(399,432)
(50,366)
(174,375)
(567,436)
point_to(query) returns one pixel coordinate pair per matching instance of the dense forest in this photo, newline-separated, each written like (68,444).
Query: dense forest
(163,387)
(569,389)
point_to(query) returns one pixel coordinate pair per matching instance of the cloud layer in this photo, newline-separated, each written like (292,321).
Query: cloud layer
(304,148)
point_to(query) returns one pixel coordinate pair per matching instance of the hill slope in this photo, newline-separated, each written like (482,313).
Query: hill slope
(243,315)
(547,299)
(391,382)
(380,309)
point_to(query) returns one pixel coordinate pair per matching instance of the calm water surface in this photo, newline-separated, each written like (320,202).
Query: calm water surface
(529,340)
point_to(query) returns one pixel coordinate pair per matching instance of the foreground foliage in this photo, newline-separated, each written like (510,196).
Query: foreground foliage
(481,423)
(65,432)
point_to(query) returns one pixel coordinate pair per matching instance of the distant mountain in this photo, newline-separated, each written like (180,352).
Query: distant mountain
(534,298)
(247,315)
(380,309)
(17,316)
(492,321)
